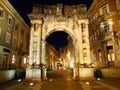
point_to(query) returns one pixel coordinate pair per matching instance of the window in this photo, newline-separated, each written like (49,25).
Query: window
(1,12)
(25,60)
(0,31)
(83,26)
(8,37)
(110,55)
(22,32)
(100,55)
(50,11)
(13,59)
(16,27)
(95,34)
(10,20)
(95,16)
(98,33)
(15,39)
(92,37)
(118,4)
(104,9)
(119,22)
(106,26)
(5,62)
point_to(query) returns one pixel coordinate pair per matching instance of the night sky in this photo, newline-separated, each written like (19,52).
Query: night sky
(24,7)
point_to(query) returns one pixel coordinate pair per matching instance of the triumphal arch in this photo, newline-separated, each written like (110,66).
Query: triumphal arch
(46,19)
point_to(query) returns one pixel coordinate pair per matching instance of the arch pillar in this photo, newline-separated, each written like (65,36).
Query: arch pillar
(33,70)
(43,62)
(77,61)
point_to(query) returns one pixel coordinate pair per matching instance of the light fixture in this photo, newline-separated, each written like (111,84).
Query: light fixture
(19,80)
(98,79)
(87,83)
(31,84)
(111,22)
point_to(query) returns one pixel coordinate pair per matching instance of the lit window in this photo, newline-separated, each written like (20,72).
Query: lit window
(106,26)
(13,59)
(8,37)
(25,60)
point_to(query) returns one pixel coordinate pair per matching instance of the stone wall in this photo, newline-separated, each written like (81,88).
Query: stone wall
(86,73)
(111,73)
(33,74)
(7,75)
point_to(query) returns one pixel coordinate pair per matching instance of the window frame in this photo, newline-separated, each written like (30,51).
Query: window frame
(1,13)
(10,20)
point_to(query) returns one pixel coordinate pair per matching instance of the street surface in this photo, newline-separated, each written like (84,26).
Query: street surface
(62,80)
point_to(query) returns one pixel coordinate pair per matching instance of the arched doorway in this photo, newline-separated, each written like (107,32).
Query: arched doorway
(59,51)
(43,24)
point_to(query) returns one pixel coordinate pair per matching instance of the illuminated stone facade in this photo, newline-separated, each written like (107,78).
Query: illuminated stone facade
(104,30)
(52,57)
(14,37)
(46,19)
(14,40)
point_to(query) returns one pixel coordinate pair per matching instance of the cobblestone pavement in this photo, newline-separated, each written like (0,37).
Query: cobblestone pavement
(62,80)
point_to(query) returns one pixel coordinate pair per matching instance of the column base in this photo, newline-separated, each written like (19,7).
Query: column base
(43,74)
(33,74)
(83,73)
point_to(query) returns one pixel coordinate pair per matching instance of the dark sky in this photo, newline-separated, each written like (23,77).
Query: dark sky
(58,39)
(24,7)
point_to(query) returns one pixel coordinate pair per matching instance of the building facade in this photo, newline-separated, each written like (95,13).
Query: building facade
(104,30)
(46,19)
(14,37)
(67,55)
(52,57)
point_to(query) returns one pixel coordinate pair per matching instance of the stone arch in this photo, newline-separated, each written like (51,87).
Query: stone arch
(64,30)
(43,24)
(71,59)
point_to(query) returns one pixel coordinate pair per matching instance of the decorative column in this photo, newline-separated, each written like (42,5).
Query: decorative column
(43,62)
(33,71)
(76,68)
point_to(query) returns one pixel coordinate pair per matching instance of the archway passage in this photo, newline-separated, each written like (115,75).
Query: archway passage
(47,20)
(59,51)
(58,39)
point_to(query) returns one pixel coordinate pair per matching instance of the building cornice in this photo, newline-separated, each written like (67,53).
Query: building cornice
(13,12)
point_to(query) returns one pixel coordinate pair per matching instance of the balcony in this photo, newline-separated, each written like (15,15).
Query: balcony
(108,35)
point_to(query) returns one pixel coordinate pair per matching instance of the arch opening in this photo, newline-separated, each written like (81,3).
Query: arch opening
(59,51)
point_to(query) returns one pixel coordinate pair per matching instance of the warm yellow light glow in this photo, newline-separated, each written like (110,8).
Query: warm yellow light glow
(13,59)
(68,55)
(60,62)
(31,84)
(59,59)
(88,83)
(93,65)
(72,65)
(102,25)
(25,60)
(98,79)
(19,80)
(111,22)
